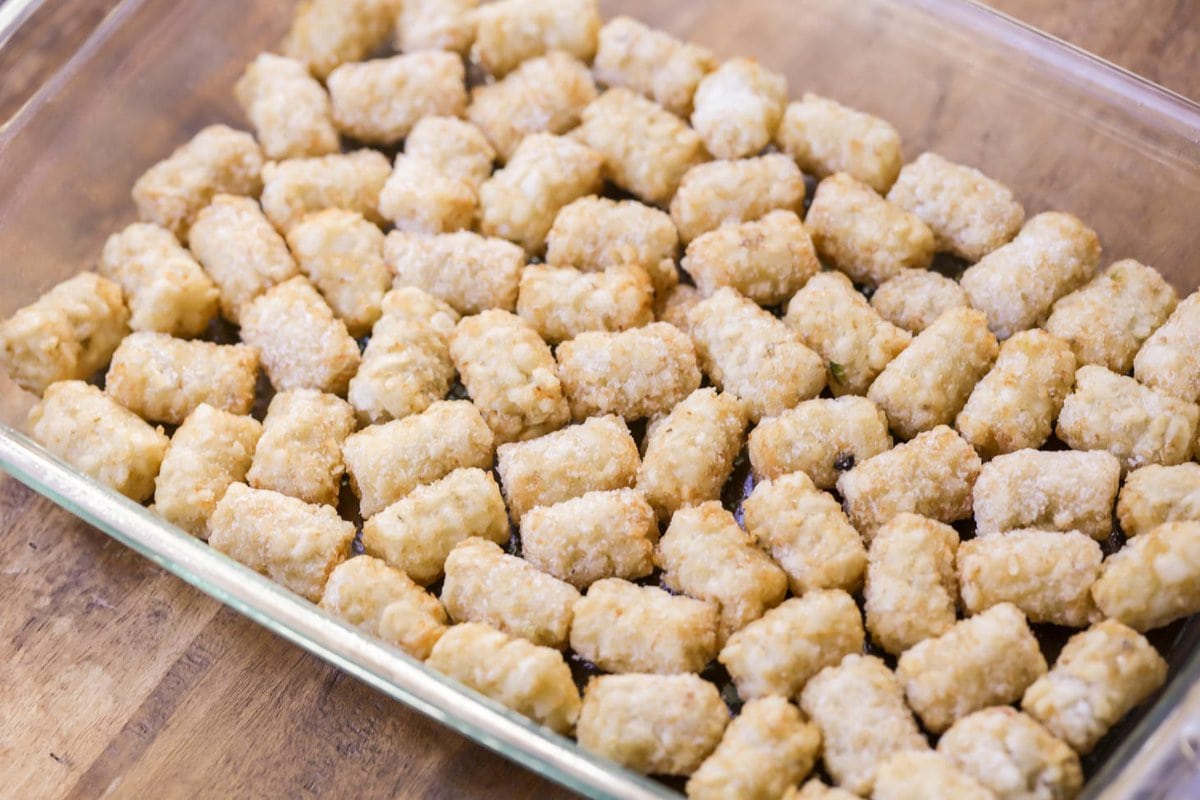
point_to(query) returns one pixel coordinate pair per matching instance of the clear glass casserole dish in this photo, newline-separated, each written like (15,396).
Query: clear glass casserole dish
(1063,129)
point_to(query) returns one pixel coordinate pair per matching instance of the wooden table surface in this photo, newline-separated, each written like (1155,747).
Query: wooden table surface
(121,680)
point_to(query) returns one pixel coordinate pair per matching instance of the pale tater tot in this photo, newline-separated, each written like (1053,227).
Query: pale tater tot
(646,148)
(737,108)
(865,236)
(241,252)
(561,302)
(384,602)
(163,379)
(914,298)
(457,148)
(986,660)
(821,438)
(751,354)
(68,333)
(533,681)
(767,260)
(326,33)
(622,627)
(419,198)
(826,137)
(705,555)
(1012,756)
(297,187)
(1169,361)
(302,344)
(78,423)
(925,776)
(1137,424)
(295,544)
(690,452)
(780,652)
(1153,495)
(969,213)
(1060,491)
(217,160)
(165,287)
(300,452)
(655,724)
(595,456)
(1154,579)
(211,450)
(545,173)
(839,324)
(543,95)
(933,475)
(511,31)
(1100,675)
(1016,403)
(1107,320)
(471,273)
(597,535)
(930,382)
(288,108)
(651,62)
(1016,284)
(386,462)
(859,707)
(485,584)
(721,192)
(806,533)
(635,373)
(768,747)
(435,25)
(674,306)
(815,789)
(911,591)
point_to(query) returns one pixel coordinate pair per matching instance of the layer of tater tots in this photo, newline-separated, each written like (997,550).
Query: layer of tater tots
(379,101)
(299,186)
(767,260)
(300,452)
(825,137)
(512,31)
(913,299)
(1154,579)
(288,108)
(737,107)
(561,302)
(1169,361)
(720,192)
(1153,495)
(471,273)
(651,62)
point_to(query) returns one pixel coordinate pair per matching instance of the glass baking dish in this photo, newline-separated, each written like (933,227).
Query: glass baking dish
(1064,129)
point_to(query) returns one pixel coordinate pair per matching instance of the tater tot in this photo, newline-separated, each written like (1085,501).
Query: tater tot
(68,333)
(295,544)
(1100,675)
(597,535)
(655,724)
(1016,403)
(651,62)
(1154,579)
(163,379)
(988,659)
(326,33)
(1169,361)
(751,354)
(435,25)
(933,475)
(817,790)
(302,344)
(1153,495)
(419,198)
(767,260)
(288,108)
(560,302)
(768,747)
(911,591)
(456,148)
(217,160)
(511,31)
(780,652)
(379,101)
(969,213)
(718,193)
(485,584)
(924,776)
(1137,424)
(806,533)
(646,148)
(297,187)
(165,287)
(533,681)
(1107,320)
(596,456)
(821,438)
(914,298)
(859,707)
(300,452)
(737,108)
(705,555)
(622,627)
(384,602)
(386,462)
(636,373)
(471,273)
(673,307)
(690,451)
(826,137)
(78,423)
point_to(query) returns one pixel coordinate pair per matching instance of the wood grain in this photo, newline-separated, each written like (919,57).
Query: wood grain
(121,680)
